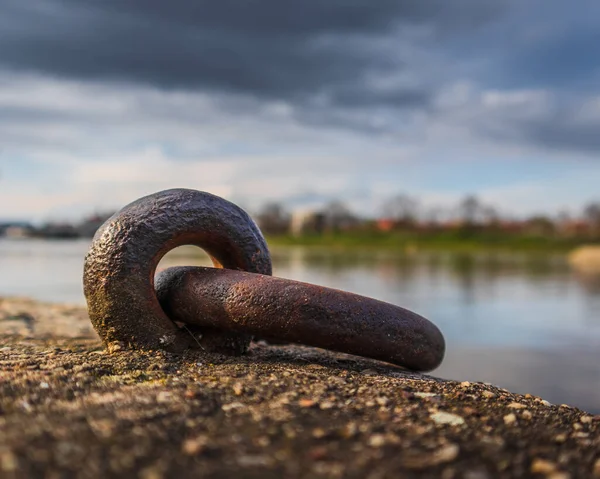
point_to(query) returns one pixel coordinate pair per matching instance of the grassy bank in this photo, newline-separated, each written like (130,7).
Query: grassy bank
(407,241)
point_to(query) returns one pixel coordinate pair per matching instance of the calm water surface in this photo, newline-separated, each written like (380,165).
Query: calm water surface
(523,322)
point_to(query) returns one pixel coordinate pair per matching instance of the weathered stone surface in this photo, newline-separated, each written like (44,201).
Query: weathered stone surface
(68,408)
(31,319)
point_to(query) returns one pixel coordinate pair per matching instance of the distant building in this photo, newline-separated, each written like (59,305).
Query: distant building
(514,226)
(57,231)
(306,222)
(385,224)
(16,230)
(574,228)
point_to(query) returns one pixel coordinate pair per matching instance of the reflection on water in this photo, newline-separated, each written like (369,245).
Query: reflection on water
(521,321)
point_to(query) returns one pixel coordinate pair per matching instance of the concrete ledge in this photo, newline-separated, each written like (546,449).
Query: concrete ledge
(70,409)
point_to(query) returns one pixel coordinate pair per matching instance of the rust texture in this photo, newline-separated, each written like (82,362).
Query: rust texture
(120,266)
(299,312)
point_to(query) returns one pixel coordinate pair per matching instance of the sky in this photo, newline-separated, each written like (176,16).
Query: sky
(104,101)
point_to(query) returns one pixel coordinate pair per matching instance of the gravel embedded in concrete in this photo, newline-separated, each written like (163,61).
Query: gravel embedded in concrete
(68,408)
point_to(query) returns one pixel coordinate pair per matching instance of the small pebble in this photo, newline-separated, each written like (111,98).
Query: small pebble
(151,473)
(164,397)
(376,440)
(233,405)
(560,438)
(516,405)
(349,430)
(446,453)
(263,441)
(543,466)
(559,475)
(424,395)
(238,389)
(190,393)
(193,446)
(441,417)
(510,419)
(596,468)
(8,462)
(420,461)
(114,347)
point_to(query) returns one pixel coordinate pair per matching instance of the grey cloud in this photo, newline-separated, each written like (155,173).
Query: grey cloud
(560,134)
(268,49)
(548,121)
(313,57)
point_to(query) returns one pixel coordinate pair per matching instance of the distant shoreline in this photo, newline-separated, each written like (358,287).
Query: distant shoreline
(412,242)
(401,242)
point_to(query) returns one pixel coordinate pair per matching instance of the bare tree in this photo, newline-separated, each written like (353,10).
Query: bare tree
(401,208)
(469,209)
(273,218)
(338,216)
(592,215)
(434,215)
(540,225)
(490,215)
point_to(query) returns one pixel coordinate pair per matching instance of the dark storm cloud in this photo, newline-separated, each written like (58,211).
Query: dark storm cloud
(556,133)
(539,43)
(364,66)
(265,48)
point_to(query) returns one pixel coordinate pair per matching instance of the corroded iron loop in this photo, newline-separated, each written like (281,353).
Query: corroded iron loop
(299,312)
(222,308)
(120,266)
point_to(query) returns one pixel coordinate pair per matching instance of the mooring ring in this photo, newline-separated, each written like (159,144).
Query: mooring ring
(120,266)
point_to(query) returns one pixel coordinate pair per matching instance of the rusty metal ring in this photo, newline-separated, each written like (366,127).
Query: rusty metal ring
(299,312)
(120,266)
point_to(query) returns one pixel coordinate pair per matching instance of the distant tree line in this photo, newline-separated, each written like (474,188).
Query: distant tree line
(405,213)
(400,212)
(56,229)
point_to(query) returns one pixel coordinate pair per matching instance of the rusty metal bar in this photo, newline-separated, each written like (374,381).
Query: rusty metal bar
(218,299)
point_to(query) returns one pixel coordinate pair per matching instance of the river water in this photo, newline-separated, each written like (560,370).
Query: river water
(524,322)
